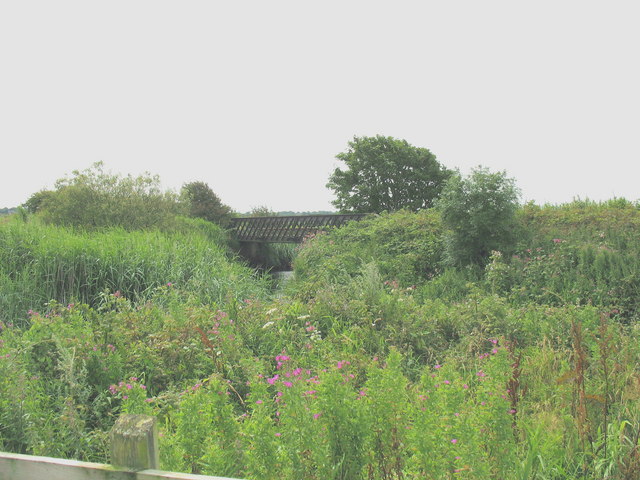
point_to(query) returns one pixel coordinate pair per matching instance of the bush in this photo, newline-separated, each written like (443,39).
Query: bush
(479,212)
(404,246)
(94,199)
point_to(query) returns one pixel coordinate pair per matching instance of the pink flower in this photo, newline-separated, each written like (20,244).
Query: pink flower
(454,440)
(316,415)
(437,366)
(259,402)
(287,384)
(277,434)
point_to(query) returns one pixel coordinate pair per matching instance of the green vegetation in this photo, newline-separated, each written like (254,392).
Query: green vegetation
(40,262)
(479,212)
(93,198)
(383,359)
(202,202)
(386,174)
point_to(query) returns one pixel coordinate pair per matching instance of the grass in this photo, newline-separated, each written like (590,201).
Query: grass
(39,263)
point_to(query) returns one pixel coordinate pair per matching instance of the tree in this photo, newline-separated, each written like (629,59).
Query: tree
(202,202)
(38,200)
(386,174)
(479,212)
(92,198)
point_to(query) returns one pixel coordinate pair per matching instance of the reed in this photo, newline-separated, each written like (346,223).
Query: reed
(40,262)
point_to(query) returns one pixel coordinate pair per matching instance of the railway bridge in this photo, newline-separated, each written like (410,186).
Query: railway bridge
(287,229)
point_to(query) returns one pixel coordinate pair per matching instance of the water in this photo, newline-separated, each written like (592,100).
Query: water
(281,278)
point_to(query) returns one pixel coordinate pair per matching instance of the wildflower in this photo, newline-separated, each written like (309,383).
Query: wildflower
(277,434)
(465,386)
(454,440)
(316,416)
(287,384)
(259,402)
(273,379)
(437,367)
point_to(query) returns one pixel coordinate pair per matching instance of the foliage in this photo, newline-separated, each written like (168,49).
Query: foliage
(262,211)
(386,174)
(479,212)
(377,364)
(43,262)
(404,246)
(38,200)
(93,199)
(202,202)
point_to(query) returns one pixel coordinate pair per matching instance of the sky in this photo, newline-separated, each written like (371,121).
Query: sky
(256,98)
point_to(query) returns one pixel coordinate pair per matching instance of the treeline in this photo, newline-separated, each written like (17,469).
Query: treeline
(8,211)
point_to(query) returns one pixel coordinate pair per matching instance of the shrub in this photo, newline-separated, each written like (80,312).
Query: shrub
(94,199)
(479,213)
(404,246)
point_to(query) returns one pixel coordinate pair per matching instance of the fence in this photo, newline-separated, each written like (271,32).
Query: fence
(134,454)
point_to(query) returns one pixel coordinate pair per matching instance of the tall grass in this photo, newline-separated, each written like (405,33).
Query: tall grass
(39,263)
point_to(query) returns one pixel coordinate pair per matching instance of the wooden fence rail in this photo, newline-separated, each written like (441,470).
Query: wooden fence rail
(134,452)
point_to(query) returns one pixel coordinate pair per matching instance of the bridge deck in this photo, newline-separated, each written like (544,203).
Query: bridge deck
(289,229)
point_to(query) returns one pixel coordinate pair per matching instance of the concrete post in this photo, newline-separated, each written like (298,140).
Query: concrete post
(134,443)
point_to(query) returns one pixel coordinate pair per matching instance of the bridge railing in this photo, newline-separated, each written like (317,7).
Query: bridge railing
(287,229)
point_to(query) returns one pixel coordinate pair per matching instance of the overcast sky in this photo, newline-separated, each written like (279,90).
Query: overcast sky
(256,98)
